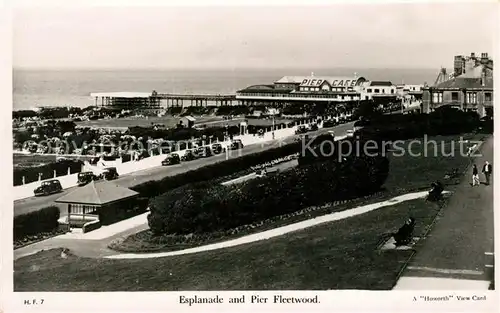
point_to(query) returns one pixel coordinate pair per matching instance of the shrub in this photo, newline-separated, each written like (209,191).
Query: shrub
(207,207)
(36,222)
(443,121)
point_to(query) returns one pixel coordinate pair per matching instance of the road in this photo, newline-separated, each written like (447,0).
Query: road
(27,205)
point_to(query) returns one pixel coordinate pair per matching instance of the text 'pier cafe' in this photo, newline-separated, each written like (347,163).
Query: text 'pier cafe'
(316,89)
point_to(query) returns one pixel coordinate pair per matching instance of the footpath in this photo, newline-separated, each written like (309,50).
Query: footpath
(452,256)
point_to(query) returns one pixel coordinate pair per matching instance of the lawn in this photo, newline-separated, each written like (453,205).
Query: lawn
(337,255)
(266,122)
(167,121)
(33,160)
(170,121)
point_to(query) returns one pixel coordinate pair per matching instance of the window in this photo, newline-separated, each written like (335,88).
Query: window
(369,90)
(377,91)
(392,90)
(437,97)
(472,97)
(487,96)
(383,90)
(454,96)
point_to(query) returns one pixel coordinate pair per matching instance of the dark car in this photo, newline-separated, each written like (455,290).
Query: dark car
(313,127)
(110,173)
(48,187)
(86,177)
(217,148)
(188,156)
(171,160)
(301,130)
(203,152)
(329,123)
(236,144)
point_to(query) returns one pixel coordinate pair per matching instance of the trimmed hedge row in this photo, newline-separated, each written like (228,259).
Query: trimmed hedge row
(207,207)
(47,170)
(36,222)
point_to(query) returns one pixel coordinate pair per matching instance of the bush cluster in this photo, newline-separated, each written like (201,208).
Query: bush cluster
(36,222)
(207,207)
(443,121)
(47,170)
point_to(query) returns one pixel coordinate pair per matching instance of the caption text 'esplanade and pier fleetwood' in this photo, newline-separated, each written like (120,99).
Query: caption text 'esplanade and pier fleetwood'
(469,87)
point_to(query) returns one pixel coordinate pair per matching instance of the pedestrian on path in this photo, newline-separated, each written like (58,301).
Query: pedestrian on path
(475,175)
(487,169)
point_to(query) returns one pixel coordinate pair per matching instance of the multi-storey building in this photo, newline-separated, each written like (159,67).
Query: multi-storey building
(469,88)
(292,89)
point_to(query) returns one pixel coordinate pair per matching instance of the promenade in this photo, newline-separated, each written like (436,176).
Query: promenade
(452,255)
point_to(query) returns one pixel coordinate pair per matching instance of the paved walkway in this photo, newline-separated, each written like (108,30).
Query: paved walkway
(455,247)
(91,244)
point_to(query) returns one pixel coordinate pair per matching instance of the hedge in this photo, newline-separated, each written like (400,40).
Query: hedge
(207,207)
(31,173)
(36,222)
(444,121)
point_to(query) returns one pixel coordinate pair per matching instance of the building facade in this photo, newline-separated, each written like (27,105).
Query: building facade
(469,88)
(291,89)
(379,90)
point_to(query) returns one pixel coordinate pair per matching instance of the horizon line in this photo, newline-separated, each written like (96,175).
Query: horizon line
(103,68)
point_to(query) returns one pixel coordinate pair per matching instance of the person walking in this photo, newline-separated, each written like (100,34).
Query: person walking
(475,175)
(487,169)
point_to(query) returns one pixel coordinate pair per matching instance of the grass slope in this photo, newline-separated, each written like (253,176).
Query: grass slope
(337,255)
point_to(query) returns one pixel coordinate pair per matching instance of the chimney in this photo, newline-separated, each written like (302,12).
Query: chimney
(483,76)
(484,58)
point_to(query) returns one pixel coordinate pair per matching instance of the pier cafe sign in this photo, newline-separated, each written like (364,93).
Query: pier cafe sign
(334,83)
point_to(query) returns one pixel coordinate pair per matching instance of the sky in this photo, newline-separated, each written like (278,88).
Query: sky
(417,35)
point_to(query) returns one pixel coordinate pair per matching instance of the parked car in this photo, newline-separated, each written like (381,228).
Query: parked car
(236,144)
(48,187)
(217,148)
(203,152)
(313,127)
(110,173)
(86,177)
(329,123)
(301,130)
(188,156)
(171,160)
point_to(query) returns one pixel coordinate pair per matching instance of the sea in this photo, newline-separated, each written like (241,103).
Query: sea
(70,87)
